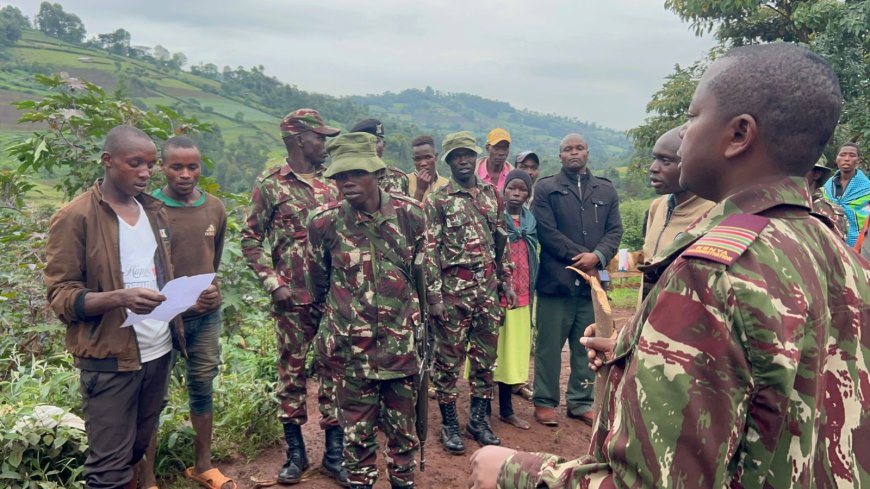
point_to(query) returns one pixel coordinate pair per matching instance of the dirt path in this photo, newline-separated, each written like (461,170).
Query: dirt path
(570,438)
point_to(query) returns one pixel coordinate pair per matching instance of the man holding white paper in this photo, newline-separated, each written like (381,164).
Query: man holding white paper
(107,254)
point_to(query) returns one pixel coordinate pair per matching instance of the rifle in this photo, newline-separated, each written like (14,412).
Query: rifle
(422,339)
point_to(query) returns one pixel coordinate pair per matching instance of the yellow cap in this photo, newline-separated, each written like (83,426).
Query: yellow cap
(497,135)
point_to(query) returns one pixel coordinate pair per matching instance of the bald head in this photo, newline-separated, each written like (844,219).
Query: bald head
(573,137)
(574,152)
(120,136)
(670,142)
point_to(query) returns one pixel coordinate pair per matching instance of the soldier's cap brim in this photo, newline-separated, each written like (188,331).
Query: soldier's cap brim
(371,164)
(473,147)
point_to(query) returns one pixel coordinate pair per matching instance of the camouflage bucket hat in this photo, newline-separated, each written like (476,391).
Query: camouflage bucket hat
(353,151)
(302,120)
(458,140)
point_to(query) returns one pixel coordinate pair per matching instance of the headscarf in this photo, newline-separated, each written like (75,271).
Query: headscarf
(527,230)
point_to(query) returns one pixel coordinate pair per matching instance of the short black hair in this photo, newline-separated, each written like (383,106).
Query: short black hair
(119,135)
(792,93)
(851,145)
(421,140)
(178,142)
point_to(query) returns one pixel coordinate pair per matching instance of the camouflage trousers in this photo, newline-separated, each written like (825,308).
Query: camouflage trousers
(471,329)
(366,405)
(296,329)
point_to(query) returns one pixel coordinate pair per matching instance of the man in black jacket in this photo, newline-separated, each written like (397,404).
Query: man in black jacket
(578,225)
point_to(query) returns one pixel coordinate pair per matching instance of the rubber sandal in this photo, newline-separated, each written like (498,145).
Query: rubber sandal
(212,478)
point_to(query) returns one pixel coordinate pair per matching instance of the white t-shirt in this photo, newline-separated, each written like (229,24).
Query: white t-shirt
(137,247)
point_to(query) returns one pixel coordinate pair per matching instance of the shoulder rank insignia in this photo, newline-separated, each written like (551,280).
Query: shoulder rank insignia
(727,241)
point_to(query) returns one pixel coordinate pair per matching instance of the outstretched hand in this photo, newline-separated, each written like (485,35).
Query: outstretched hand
(598,350)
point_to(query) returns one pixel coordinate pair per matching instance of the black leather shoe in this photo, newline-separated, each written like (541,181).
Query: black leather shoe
(360,486)
(333,455)
(297,461)
(451,436)
(478,426)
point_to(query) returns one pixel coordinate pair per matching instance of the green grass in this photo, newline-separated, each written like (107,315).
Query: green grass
(624,294)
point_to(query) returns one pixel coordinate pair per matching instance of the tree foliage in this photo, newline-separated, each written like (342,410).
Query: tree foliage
(117,42)
(839,31)
(78,115)
(12,23)
(54,22)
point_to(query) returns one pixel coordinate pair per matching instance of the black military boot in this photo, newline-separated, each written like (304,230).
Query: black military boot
(333,455)
(297,461)
(478,426)
(360,486)
(451,437)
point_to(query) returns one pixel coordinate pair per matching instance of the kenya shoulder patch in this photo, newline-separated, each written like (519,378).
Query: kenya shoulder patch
(730,239)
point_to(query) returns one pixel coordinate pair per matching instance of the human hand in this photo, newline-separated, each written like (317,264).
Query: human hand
(425,178)
(438,311)
(585,261)
(511,298)
(282,298)
(209,299)
(486,464)
(140,300)
(598,350)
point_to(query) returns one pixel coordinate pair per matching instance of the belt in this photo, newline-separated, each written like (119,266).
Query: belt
(470,273)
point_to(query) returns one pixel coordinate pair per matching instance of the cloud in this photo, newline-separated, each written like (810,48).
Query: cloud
(598,61)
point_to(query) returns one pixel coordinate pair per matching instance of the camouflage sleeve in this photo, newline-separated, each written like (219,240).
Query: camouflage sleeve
(256,228)
(507,264)
(524,470)
(435,230)
(318,262)
(405,184)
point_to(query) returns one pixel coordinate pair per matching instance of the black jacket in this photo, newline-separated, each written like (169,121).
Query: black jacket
(568,226)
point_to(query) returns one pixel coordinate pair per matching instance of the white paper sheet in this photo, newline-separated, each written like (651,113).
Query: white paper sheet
(181,293)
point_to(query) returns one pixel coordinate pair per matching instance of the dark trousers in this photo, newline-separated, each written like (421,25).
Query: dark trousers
(121,411)
(563,318)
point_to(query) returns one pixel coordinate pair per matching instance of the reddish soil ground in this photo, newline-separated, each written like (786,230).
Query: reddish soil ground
(570,438)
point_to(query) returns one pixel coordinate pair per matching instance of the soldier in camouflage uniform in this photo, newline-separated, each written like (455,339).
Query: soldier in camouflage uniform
(816,178)
(463,217)
(393,180)
(747,365)
(359,257)
(281,199)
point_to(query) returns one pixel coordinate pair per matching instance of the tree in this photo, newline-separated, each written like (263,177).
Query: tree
(837,30)
(161,53)
(78,115)
(12,22)
(178,60)
(117,42)
(54,22)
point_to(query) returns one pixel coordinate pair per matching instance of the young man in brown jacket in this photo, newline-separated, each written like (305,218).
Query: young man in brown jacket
(107,255)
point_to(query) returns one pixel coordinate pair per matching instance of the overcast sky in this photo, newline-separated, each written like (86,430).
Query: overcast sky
(599,61)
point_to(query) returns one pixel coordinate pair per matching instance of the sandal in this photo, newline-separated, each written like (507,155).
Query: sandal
(210,479)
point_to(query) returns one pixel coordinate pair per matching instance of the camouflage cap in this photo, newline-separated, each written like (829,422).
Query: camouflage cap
(302,120)
(822,163)
(353,151)
(371,126)
(458,140)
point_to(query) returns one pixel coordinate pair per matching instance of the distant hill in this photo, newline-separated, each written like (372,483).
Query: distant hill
(449,112)
(245,106)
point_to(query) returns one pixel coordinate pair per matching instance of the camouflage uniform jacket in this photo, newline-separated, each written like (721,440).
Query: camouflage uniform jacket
(371,308)
(460,238)
(745,367)
(394,181)
(280,204)
(835,213)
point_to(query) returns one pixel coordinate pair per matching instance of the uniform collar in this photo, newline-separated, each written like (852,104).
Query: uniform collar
(385,212)
(286,170)
(755,199)
(453,186)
